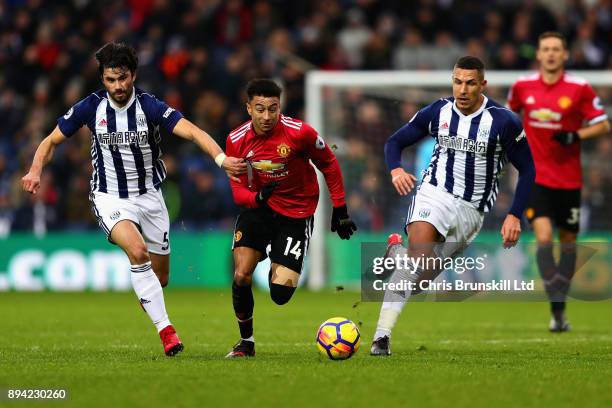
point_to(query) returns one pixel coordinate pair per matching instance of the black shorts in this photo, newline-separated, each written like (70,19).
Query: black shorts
(562,206)
(288,237)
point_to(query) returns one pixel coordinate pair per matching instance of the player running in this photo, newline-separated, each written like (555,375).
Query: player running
(555,105)
(128,171)
(280,193)
(475,137)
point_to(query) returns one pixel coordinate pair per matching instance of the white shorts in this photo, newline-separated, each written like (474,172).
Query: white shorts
(454,218)
(148,211)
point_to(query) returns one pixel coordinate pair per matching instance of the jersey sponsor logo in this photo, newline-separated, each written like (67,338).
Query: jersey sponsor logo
(268,166)
(115,215)
(283,150)
(69,113)
(530,100)
(139,138)
(545,125)
(545,115)
(564,102)
(319,143)
(272,170)
(463,144)
(167,113)
(141,121)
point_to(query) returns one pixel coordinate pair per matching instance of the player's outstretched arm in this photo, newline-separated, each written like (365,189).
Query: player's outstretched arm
(31,181)
(233,166)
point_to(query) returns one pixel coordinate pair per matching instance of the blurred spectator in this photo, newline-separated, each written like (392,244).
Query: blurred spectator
(354,36)
(199,54)
(408,55)
(234,23)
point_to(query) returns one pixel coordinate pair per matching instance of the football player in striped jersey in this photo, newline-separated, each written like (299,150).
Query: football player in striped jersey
(475,137)
(128,171)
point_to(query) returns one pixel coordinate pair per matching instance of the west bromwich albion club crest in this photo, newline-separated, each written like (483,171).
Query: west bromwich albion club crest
(141,120)
(283,150)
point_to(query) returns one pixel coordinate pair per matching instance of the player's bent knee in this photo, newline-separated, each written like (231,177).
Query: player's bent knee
(281,294)
(138,254)
(282,275)
(243,278)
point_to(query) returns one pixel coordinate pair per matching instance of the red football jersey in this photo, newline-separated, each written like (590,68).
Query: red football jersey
(284,155)
(549,108)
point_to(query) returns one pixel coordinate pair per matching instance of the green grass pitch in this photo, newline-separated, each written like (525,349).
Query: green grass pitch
(103,349)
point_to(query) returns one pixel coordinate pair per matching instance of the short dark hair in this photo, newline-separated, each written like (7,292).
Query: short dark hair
(470,62)
(116,55)
(262,87)
(552,34)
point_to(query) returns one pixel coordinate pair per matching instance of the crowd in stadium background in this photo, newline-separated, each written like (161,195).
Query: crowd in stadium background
(197,55)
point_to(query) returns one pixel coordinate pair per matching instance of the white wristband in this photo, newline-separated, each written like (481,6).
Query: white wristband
(219,159)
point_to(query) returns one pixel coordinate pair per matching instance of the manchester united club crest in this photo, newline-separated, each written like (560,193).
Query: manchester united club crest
(283,150)
(564,102)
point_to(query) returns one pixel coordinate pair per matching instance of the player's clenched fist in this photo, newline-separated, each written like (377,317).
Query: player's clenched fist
(342,223)
(30,182)
(234,167)
(402,181)
(511,231)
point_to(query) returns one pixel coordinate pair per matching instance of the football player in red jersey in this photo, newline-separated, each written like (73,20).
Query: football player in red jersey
(555,107)
(279,194)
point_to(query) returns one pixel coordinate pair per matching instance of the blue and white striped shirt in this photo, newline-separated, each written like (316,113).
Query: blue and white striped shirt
(125,152)
(470,150)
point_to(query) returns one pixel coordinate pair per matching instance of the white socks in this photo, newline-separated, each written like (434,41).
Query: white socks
(149,291)
(394,301)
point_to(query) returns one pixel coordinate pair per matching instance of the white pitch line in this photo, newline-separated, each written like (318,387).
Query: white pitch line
(553,338)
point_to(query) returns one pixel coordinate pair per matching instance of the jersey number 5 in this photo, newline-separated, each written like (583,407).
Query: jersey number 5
(166,242)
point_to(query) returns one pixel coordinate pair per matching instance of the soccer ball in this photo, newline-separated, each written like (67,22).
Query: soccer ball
(338,338)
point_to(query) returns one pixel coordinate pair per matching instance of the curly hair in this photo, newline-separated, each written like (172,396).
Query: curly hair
(117,55)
